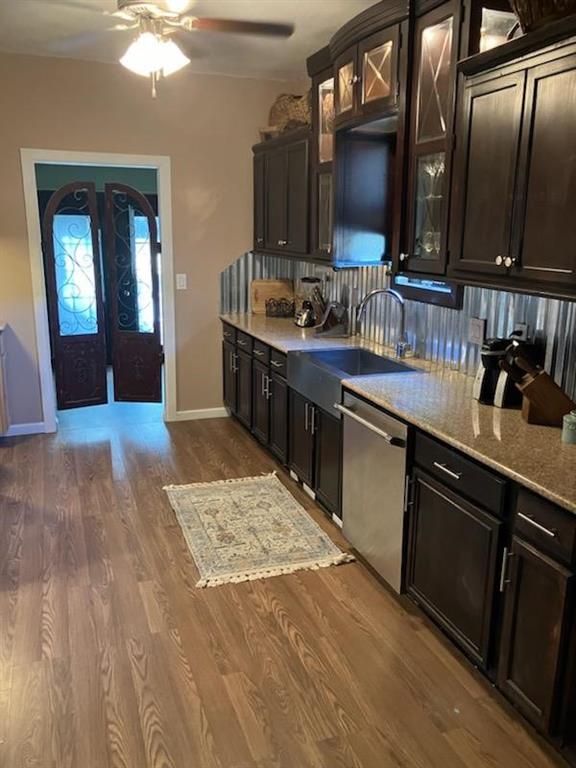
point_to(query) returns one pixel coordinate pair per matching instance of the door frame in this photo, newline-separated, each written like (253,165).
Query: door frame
(162,165)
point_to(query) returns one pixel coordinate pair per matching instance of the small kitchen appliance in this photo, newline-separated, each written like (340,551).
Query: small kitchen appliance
(488,374)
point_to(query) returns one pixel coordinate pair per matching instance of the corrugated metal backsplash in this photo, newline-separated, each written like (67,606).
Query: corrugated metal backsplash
(435,333)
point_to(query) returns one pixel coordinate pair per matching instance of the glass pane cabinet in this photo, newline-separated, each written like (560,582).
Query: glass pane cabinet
(430,180)
(346,82)
(326,121)
(377,72)
(433,80)
(496,28)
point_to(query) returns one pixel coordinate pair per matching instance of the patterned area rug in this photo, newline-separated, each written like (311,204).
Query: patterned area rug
(249,528)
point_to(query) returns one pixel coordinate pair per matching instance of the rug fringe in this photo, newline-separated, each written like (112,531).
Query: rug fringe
(264,476)
(265,573)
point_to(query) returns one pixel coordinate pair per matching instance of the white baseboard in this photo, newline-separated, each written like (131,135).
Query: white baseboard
(34,428)
(202,413)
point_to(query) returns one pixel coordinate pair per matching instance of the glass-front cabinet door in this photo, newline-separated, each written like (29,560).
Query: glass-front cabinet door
(346,78)
(430,140)
(325,106)
(324,237)
(378,77)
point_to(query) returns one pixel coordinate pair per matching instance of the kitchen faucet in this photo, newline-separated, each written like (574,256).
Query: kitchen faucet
(402,345)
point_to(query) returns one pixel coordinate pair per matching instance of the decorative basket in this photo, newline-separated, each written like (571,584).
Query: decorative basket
(533,14)
(280,307)
(290,111)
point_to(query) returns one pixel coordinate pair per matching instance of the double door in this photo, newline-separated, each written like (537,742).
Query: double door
(514,179)
(101,309)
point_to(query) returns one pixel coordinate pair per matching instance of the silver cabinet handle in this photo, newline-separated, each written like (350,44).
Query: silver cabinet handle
(306,416)
(242,343)
(227,334)
(397,442)
(509,261)
(259,240)
(282,242)
(313,420)
(499,260)
(448,471)
(403,256)
(235,362)
(259,353)
(276,364)
(506,556)
(268,390)
(263,385)
(548,531)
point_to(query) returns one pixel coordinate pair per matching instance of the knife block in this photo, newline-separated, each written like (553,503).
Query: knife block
(543,400)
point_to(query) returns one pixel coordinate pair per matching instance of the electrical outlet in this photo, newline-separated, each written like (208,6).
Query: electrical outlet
(476,330)
(181,282)
(521,331)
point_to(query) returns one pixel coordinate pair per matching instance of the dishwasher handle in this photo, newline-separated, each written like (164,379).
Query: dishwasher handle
(397,442)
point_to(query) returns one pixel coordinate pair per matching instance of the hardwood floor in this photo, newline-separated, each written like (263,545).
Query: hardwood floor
(109,656)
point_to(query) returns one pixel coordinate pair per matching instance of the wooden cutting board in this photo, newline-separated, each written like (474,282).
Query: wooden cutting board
(261,290)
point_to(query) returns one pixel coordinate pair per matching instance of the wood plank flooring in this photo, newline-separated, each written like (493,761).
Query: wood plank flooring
(110,658)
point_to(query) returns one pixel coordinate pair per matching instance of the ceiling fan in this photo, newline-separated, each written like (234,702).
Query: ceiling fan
(155,54)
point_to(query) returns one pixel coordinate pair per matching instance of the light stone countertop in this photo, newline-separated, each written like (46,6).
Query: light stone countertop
(440,402)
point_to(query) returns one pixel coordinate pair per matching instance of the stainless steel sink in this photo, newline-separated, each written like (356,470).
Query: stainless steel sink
(359,362)
(318,374)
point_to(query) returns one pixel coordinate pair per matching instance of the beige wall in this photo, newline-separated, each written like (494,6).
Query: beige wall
(206,124)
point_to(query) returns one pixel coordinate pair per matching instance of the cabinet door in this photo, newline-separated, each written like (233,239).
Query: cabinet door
(533,634)
(260,402)
(297,198)
(229,375)
(485,174)
(279,417)
(436,36)
(259,200)
(345,79)
(378,65)
(244,388)
(300,437)
(324,213)
(547,234)
(275,207)
(328,435)
(452,560)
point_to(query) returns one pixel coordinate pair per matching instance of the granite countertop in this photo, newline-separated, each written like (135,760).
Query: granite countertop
(441,404)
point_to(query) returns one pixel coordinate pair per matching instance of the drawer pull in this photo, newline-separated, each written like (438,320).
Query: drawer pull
(506,556)
(227,334)
(548,531)
(276,364)
(259,353)
(450,472)
(242,343)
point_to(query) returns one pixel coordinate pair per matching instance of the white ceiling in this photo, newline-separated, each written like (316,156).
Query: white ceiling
(82,29)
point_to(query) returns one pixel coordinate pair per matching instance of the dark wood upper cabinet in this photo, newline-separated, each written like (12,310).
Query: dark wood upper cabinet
(259,201)
(366,77)
(321,158)
(452,563)
(532,652)
(546,237)
(281,194)
(485,174)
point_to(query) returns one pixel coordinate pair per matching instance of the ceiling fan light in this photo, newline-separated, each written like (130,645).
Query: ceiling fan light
(143,55)
(171,57)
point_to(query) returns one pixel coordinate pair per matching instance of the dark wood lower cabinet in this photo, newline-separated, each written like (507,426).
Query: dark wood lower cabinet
(538,597)
(328,434)
(260,402)
(278,442)
(229,375)
(301,437)
(244,388)
(452,563)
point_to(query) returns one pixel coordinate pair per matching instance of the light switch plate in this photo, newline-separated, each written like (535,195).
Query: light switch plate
(476,330)
(181,282)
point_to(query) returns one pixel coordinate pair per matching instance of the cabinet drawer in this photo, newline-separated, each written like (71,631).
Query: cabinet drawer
(278,362)
(261,352)
(244,341)
(543,523)
(229,333)
(460,473)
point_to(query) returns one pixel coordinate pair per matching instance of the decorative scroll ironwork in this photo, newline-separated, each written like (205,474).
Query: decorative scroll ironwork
(133,266)
(73,265)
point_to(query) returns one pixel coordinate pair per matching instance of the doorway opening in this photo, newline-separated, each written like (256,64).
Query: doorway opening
(100,247)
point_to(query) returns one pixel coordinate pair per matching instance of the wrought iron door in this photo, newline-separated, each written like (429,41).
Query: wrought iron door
(71,248)
(132,250)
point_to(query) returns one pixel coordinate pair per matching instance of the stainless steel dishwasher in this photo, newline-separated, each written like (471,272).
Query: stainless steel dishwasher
(373,486)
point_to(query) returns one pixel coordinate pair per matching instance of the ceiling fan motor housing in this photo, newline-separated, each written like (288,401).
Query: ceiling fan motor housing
(150,8)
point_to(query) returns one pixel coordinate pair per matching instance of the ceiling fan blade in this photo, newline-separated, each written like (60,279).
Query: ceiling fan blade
(238,27)
(187,44)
